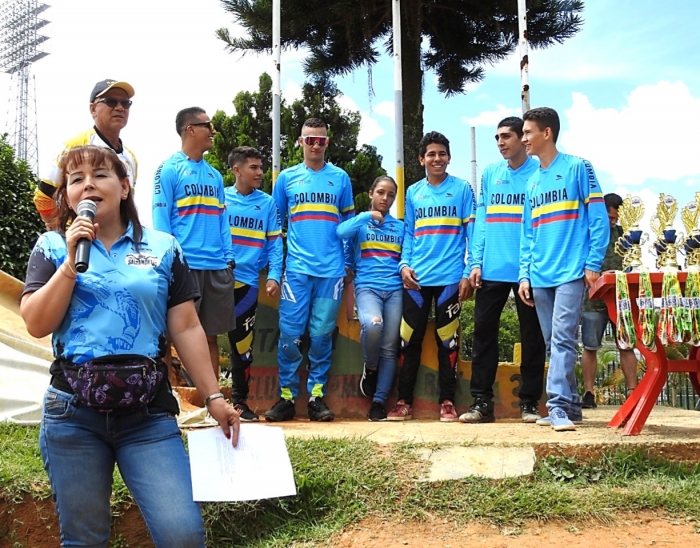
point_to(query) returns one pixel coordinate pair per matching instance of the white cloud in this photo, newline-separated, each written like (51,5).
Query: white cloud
(292,91)
(370,129)
(649,137)
(491,118)
(385,108)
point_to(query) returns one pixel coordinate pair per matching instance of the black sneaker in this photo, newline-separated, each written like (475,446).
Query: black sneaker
(368,382)
(588,401)
(480,411)
(246,413)
(529,412)
(376,412)
(283,410)
(318,411)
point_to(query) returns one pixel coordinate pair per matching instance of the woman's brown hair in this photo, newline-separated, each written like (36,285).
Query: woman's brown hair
(96,157)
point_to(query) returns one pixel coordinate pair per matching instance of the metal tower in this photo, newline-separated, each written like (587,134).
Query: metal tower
(19,48)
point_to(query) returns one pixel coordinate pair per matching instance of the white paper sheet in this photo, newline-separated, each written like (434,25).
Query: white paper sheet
(258,468)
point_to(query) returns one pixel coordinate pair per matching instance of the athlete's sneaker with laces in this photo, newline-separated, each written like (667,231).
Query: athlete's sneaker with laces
(448,413)
(401,412)
(560,421)
(283,410)
(480,411)
(319,411)
(376,412)
(547,421)
(588,401)
(246,413)
(529,412)
(368,382)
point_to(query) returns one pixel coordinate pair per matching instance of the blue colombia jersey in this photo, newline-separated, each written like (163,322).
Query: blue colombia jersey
(256,235)
(377,250)
(499,214)
(314,203)
(119,305)
(188,202)
(565,223)
(438,222)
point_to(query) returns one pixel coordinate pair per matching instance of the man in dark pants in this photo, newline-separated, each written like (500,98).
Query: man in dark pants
(494,274)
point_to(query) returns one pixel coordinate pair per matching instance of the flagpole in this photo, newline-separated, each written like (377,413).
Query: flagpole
(524,58)
(398,108)
(276,82)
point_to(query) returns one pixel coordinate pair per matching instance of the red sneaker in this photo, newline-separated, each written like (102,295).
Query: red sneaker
(448,412)
(400,412)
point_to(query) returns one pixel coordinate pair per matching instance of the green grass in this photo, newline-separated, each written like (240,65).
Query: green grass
(341,481)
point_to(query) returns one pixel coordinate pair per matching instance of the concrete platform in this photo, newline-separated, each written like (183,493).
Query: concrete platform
(669,432)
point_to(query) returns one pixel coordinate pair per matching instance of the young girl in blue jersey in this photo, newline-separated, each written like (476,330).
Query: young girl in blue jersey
(136,289)
(376,238)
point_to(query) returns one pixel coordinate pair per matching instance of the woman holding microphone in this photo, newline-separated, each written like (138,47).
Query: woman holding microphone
(109,400)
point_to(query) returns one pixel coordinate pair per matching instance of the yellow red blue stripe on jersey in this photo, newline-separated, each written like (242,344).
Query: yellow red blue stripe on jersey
(438,225)
(504,214)
(199,205)
(595,197)
(376,249)
(552,213)
(314,212)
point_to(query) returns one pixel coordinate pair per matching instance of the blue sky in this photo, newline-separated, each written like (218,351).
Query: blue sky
(627,88)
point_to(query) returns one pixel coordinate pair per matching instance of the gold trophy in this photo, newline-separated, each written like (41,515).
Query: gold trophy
(666,237)
(690,215)
(629,245)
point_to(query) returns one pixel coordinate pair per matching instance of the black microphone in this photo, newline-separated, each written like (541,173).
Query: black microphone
(86,208)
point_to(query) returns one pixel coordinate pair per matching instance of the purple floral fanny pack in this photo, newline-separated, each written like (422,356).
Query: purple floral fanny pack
(112,382)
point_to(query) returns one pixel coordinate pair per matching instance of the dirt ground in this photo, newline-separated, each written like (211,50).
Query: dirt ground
(34,526)
(644,529)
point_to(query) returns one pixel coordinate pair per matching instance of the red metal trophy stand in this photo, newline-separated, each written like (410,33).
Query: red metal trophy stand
(634,412)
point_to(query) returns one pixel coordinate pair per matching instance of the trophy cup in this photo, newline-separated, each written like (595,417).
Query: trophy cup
(673,327)
(690,215)
(666,237)
(629,245)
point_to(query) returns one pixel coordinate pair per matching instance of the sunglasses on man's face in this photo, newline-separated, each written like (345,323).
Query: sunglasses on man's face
(112,102)
(207,125)
(312,140)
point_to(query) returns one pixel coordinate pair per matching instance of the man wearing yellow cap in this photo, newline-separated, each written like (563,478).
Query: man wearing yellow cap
(110,102)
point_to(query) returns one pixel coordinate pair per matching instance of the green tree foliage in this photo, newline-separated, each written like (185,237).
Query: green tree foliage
(508,331)
(452,38)
(251,125)
(21,224)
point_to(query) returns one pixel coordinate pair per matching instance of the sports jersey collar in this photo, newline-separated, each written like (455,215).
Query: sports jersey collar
(439,189)
(246,196)
(119,150)
(130,234)
(526,163)
(557,158)
(186,157)
(325,165)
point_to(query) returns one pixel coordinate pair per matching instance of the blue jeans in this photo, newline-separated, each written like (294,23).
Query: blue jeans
(307,303)
(80,446)
(559,309)
(380,317)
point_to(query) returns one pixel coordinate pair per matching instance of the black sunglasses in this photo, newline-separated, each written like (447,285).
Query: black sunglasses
(204,124)
(112,102)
